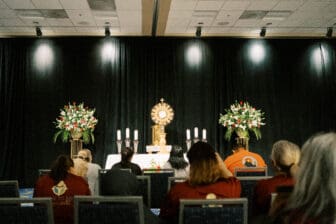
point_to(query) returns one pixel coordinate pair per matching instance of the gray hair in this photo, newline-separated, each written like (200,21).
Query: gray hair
(314,193)
(286,156)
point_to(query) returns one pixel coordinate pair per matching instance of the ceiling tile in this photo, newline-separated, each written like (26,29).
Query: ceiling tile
(65,30)
(3,5)
(59,22)
(47,4)
(175,29)
(311,6)
(219,30)
(236,5)
(129,18)
(130,29)
(107,22)
(262,5)
(11,22)
(180,13)
(178,22)
(209,5)
(35,22)
(229,15)
(223,22)
(27,30)
(183,5)
(90,30)
(248,23)
(19,4)
(201,21)
(288,5)
(81,17)
(128,5)
(7,13)
(74,4)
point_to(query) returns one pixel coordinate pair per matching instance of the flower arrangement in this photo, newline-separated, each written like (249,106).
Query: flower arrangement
(76,121)
(241,118)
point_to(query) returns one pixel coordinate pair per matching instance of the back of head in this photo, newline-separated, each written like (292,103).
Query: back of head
(85,154)
(204,168)
(315,189)
(60,168)
(126,154)
(119,182)
(285,156)
(176,158)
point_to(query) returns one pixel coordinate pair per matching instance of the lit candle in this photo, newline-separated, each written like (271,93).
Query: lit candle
(127,133)
(204,134)
(118,135)
(188,134)
(196,132)
(135,134)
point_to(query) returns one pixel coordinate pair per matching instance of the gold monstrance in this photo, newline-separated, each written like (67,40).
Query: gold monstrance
(162,114)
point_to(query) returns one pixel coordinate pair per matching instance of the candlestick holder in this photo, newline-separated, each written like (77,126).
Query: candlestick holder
(119,143)
(188,142)
(128,142)
(135,145)
(196,140)
(204,140)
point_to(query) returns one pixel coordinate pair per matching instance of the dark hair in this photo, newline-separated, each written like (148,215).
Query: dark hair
(176,158)
(60,167)
(201,151)
(126,154)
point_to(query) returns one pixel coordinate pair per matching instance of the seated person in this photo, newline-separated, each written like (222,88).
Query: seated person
(313,200)
(61,185)
(125,163)
(243,158)
(285,157)
(92,170)
(117,182)
(208,177)
(177,162)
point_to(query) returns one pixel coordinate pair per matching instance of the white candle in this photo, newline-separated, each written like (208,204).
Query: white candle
(204,134)
(188,134)
(127,133)
(196,132)
(135,134)
(118,135)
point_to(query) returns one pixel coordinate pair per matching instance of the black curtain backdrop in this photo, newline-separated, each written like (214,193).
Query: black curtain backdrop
(294,85)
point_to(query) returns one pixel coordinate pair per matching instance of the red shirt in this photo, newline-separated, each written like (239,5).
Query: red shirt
(264,189)
(63,202)
(224,188)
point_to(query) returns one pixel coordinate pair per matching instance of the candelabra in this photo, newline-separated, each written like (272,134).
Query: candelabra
(119,143)
(135,145)
(128,142)
(188,142)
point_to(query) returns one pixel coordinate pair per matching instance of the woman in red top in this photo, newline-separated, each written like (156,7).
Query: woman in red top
(285,156)
(61,186)
(208,177)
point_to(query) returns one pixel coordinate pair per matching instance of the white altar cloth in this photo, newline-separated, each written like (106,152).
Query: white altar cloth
(145,161)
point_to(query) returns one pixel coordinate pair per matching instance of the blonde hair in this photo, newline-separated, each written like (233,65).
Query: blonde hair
(88,154)
(286,156)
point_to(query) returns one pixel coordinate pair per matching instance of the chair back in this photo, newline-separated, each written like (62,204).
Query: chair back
(111,209)
(213,211)
(101,173)
(247,185)
(250,171)
(26,210)
(9,188)
(159,184)
(145,189)
(42,172)
(174,180)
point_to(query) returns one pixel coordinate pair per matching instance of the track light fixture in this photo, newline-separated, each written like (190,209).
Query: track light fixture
(329,32)
(198,31)
(38,31)
(263,31)
(107,31)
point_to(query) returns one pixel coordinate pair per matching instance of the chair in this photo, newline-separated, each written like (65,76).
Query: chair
(174,180)
(42,172)
(213,211)
(9,188)
(101,173)
(112,209)
(250,171)
(159,185)
(247,185)
(26,210)
(145,189)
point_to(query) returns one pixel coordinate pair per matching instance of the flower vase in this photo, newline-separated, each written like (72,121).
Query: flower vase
(243,141)
(76,143)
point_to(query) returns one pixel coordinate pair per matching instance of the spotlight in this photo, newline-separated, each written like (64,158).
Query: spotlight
(107,31)
(263,31)
(329,32)
(198,31)
(38,31)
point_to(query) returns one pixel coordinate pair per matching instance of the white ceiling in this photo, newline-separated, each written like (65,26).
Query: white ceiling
(288,18)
